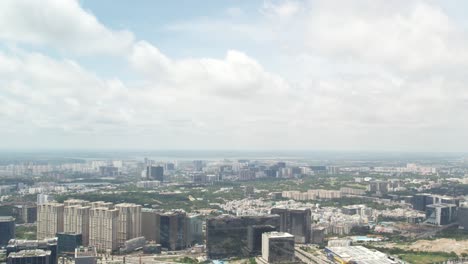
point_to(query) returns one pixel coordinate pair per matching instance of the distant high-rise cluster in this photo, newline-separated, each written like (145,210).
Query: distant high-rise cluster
(100,224)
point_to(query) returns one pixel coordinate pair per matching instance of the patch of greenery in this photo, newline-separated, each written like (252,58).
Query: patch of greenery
(26,232)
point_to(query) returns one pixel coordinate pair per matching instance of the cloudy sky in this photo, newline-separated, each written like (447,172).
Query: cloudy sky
(183,74)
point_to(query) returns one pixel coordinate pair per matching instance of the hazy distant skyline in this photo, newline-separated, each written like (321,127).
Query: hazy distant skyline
(315,75)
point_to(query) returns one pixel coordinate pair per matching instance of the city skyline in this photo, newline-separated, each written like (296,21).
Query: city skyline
(234,75)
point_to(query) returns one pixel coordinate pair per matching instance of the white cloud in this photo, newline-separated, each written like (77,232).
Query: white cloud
(357,75)
(237,75)
(61,24)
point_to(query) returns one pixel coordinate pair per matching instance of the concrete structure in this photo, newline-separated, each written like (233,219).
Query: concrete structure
(7,229)
(278,247)
(49,220)
(441,214)
(155,173)
(358,254)
(194,229)
(173,230)
(101,204)
(150,224)
(254,237)
(318,235)
(129,222)
(103,228)
(76,220)
(462,216)
(85,255)
(227,235)
(133,244)
(67,242)
(296,222)
(47,245)
(34,256)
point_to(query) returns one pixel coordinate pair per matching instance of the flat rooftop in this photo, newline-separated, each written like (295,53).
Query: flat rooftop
(360,255)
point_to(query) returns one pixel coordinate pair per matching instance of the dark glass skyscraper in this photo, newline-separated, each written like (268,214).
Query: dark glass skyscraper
(7,229)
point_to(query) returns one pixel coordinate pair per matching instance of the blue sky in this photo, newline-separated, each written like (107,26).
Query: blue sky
(270,74)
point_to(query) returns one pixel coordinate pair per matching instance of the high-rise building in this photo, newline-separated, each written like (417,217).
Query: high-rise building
(296,222)
(49,220)
(198,165)
(26,213)
(194,229)
(129,222)
(44,198)
(85,255)
(49,245)
(227,235)
(155,173)
(71,202)
(278,247)
(103,228)
(33,256)
(7,229)
(462,217)
(173,230)
(170,166)
(101,204)
(67,242)
(254,237)
(150,220)
(441,214)
(76,221)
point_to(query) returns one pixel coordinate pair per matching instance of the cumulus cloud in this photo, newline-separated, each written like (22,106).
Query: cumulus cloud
(63,25)
(360,75)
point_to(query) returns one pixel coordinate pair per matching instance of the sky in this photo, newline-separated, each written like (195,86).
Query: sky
(362,75)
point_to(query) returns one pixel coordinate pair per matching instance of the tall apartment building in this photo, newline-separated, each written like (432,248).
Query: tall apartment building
(71,202)
(49,220)
(129,222)
(103,228)
(76,220)
(101,204)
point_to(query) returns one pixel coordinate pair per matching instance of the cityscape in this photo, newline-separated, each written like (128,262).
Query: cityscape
(233,132)
(408,209)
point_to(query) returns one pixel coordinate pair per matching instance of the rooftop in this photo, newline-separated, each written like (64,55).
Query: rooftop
(360,254)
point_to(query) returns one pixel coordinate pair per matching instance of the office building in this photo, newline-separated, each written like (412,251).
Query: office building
(194,229)
(103,228)
(296,222)
(76,221)
(129,222)
(173,230)
(227,235)
(278,247)
(441,214)
(155,173)
(26,213)
(198,165)
(462,216)
(254,237)
(7,229)
(33,256)
(67,242)
(85,255)
(170,166)
(49,245)
(150,224)
(318,235)
(49,220)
